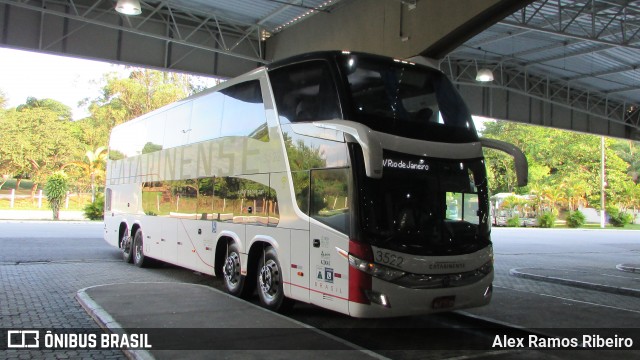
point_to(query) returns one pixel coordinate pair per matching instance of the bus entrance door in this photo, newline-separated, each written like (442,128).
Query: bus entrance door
(330,270)
(300,271)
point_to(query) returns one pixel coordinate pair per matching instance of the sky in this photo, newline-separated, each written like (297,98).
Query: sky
(65,79)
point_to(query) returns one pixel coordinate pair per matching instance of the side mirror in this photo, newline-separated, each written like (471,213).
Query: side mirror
(522,166)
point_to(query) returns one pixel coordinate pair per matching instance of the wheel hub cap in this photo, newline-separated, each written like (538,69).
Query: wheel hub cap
(231,267)
(269,278)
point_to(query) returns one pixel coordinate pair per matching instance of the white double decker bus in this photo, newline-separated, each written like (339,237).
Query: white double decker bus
(350,181)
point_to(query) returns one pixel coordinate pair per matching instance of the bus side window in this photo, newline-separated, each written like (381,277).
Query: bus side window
(176,130)
(244,113)
(107,200)
(305,92)
(329,198)
(206,117)
(154,140)
(301,185)
(127,142)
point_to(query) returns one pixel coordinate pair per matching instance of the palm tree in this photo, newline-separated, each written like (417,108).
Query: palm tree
(94,167)
(573,189)
(553,195)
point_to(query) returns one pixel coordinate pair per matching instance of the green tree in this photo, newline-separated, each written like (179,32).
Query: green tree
(574,189)
(552,197)
(123,99)
(35,141)
(92,132)
(56,189)
(619,182)
(62,110)
(564,166)
(93,168)
(627,150)
(143,91)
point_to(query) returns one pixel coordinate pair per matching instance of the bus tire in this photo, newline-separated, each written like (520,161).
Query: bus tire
(127,248)
(270,283)
(234,281)
(139,259)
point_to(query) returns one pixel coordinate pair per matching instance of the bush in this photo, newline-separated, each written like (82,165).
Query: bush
(547,219)
(514,221)
(95,210)
(56,189)
(575,219)
(618,218)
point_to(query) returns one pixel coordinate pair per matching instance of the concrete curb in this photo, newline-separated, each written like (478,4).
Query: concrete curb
(575,283)
(107,322)
(632,268)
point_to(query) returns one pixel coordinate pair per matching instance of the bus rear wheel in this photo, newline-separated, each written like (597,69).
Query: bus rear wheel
(270,283)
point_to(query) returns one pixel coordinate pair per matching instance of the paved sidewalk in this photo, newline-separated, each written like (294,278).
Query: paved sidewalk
(615,284)
(190,320)
(557,313)
(182,317)
(40,215)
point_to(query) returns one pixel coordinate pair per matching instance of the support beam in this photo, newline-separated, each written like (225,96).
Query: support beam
(430,28)
(164,38)
(517,95)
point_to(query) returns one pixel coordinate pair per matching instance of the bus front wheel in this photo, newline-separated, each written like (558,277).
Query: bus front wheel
(232,271)
(127,248)
(139,259)
(270,283)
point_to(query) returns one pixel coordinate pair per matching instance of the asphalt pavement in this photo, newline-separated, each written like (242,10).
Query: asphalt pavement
(47,269)
(238,329)
(537,311)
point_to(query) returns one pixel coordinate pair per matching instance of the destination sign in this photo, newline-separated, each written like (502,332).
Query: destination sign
(417,165)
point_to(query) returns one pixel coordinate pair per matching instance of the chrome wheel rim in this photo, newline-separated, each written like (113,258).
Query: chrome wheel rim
(126,244)
(269,280)
(138,251)
(232,270)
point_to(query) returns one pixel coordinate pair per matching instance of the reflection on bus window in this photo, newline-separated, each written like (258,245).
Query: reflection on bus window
(329,198)
(405,100)
(227,199)
(244,111)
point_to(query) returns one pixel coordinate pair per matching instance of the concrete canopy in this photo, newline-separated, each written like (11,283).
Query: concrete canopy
(515,38)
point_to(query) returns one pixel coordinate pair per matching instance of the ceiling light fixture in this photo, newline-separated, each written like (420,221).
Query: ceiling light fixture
(484,75)
(129,7)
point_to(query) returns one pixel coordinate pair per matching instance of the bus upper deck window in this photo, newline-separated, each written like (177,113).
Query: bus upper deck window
(305,92)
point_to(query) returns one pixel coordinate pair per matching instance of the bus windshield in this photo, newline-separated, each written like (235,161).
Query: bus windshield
(425,206)
(405,99)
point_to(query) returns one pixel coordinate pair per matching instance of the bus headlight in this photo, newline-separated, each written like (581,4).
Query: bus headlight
(376,270)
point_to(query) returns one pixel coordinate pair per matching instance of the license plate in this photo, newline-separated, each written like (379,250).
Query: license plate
(443,302)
